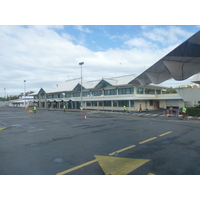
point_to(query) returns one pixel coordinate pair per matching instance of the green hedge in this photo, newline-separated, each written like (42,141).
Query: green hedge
(193,111)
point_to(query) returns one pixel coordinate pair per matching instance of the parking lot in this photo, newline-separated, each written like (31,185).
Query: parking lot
(96,143)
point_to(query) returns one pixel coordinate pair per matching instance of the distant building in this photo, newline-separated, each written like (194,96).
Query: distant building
(23,101)
(192,85)
(191,95)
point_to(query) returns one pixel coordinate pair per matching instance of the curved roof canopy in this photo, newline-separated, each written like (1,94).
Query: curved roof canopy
(180,64)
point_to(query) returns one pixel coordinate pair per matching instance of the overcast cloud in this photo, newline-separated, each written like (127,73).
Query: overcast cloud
(48,55)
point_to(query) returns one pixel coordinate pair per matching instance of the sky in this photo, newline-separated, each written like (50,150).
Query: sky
(47,55)
(43,42)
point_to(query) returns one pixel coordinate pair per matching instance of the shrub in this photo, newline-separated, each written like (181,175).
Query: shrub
(193,111)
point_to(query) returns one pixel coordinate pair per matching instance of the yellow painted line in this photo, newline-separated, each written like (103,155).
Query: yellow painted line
(95,160)
(153,138)
(118,165)
(165,133)
(77,167)
(90,162)
(2,128)
(122,150)
(151,174)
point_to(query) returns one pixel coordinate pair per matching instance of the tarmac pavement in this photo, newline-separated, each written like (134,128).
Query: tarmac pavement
(97,143)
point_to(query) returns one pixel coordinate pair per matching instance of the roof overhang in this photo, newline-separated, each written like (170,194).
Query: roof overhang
(180,64)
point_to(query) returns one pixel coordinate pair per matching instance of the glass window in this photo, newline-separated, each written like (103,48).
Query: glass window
(126,91)
(60,96)
(149,91)
(107,103)
(94,103)
(151,102)
(100,103)
(68,95)
(54,96)
(132,103)
(97,93)
(110,92)
(114,103)
(122,103)
(85,94)
(140,90)
(88,103)
(158,91)
(76,94)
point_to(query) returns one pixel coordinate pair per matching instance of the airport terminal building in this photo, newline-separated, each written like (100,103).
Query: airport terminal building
(106,94)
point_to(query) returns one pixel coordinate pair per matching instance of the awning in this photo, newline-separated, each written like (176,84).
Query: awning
(180,64)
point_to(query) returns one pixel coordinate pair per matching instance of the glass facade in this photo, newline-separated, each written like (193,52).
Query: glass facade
(76,94)
(60,96)
(107,103)
(149,91)
(131,103)
(110,92)
(140,90)
(123,102)
(85,94)
(68,95)
(158,91)
(97,93)
(54,96)
(88,103)
(151,102)
(126,91)
(114,103)
(94,103)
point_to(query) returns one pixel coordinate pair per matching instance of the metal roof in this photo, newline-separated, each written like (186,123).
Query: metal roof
(71,84)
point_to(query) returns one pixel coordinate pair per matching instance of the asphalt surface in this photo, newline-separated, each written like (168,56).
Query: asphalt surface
(97,143)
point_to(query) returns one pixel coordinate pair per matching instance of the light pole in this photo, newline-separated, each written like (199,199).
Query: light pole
(4,94)
(81,63)
(25,93)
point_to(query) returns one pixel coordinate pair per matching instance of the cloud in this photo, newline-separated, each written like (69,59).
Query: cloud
(44,57)
(173,34)
(138,42)
(82,29)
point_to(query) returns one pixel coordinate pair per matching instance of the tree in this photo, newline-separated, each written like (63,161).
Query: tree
(170,90)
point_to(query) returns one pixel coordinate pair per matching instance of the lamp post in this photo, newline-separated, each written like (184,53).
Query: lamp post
(81,63)
(25,93)
(4,94)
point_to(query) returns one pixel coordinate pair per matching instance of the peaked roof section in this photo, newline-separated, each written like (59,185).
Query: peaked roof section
(75,84)
(66,86)
(180,64)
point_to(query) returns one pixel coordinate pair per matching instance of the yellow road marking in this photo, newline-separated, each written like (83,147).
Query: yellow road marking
(151,174)
(153,138)
(119,166)
(2,128)
(95,160)
(165,133)
(77,167)
(122,150)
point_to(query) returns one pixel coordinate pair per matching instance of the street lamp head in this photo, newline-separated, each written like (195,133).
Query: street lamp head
(81,63)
